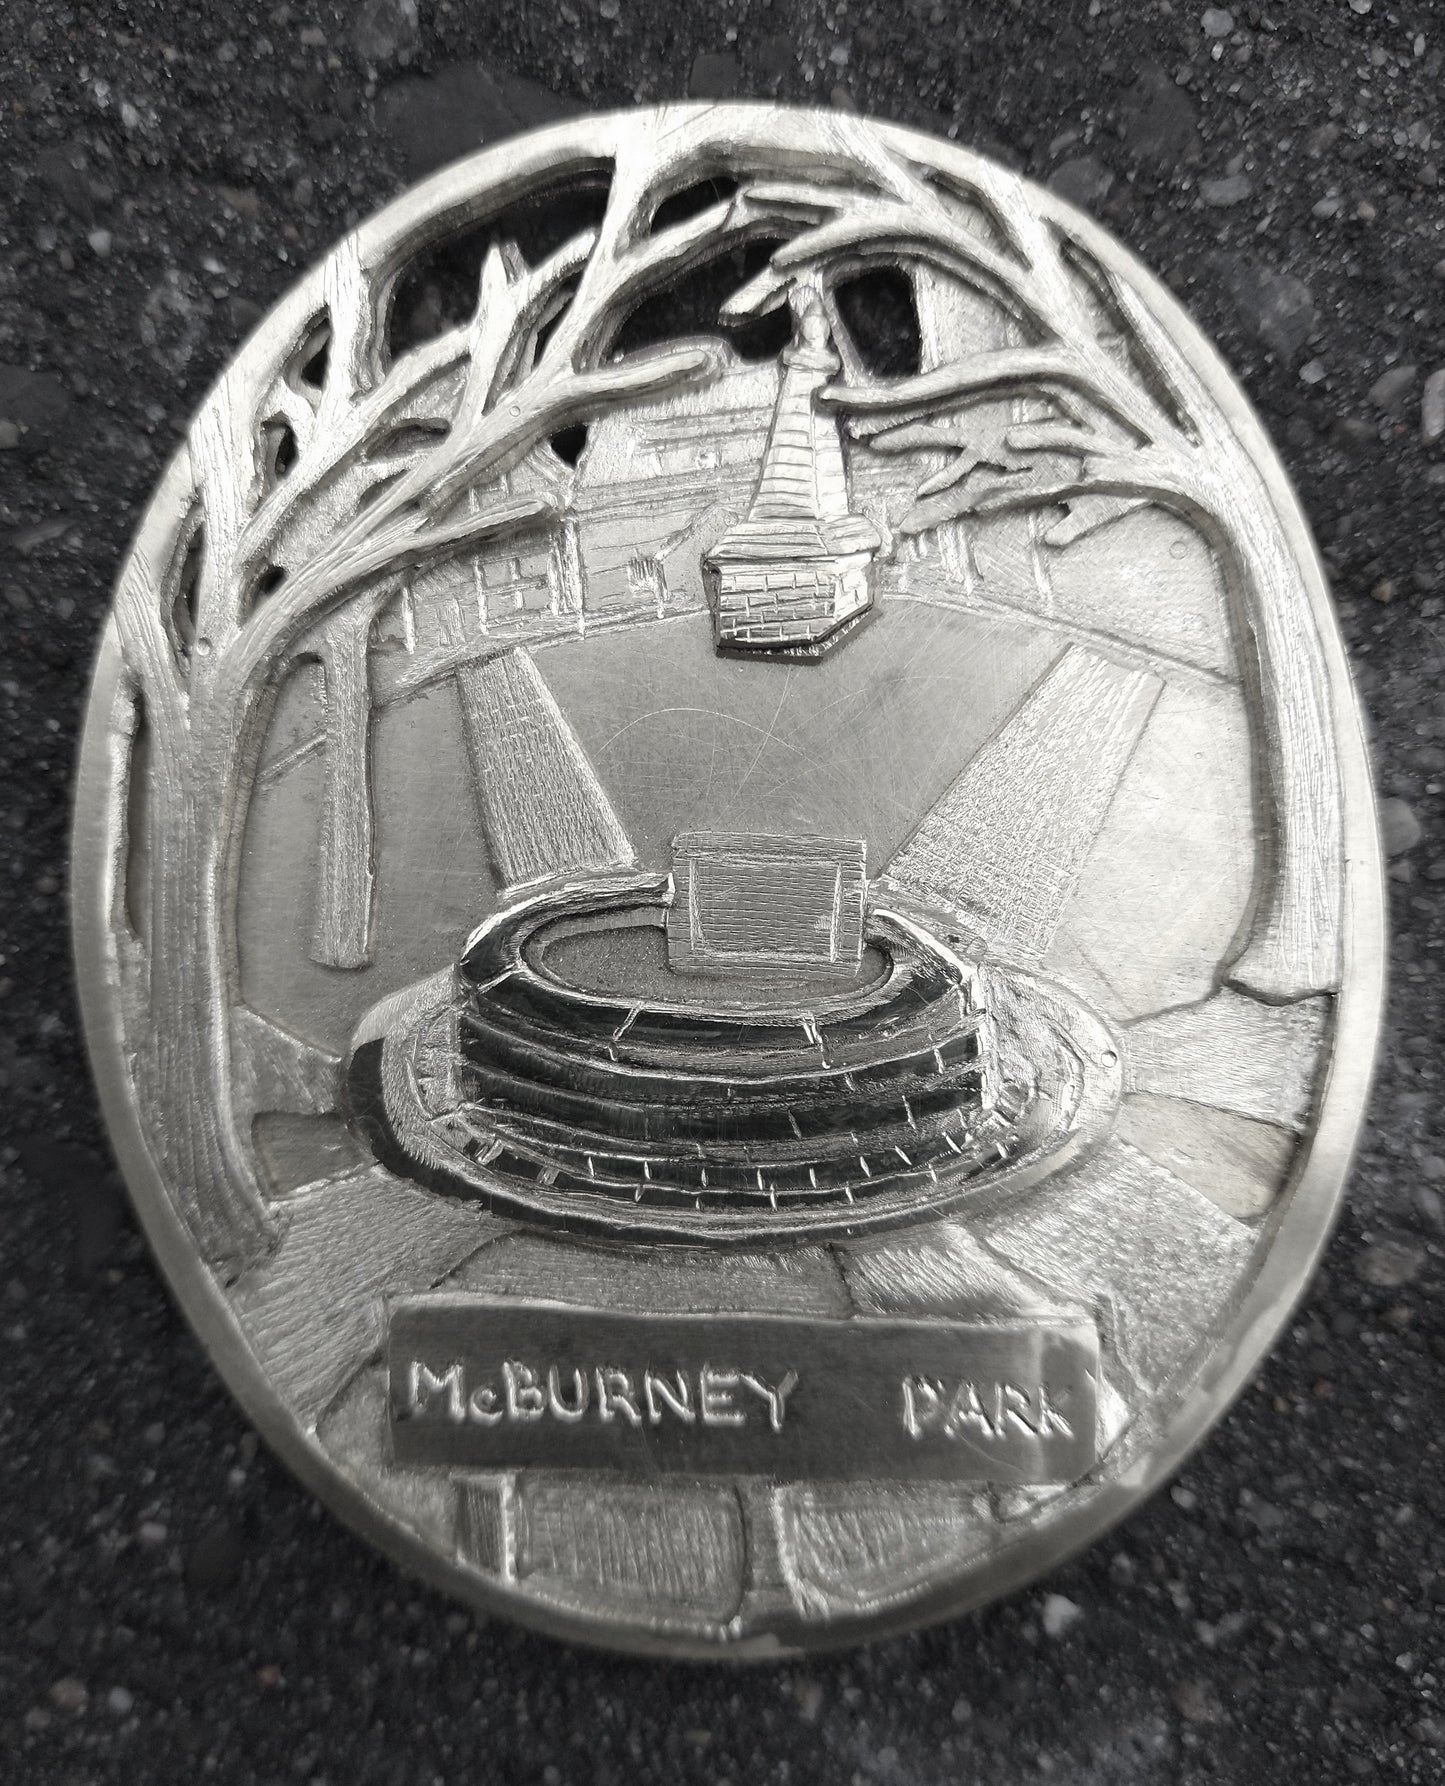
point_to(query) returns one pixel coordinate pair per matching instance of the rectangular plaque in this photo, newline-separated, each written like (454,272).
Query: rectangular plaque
(758,902)
(496,1383)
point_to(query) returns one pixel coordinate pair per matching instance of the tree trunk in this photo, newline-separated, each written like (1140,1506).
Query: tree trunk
(183,1069)
(1291,949)
(346,870)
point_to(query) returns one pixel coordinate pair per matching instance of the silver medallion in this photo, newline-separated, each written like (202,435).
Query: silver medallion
(726,893)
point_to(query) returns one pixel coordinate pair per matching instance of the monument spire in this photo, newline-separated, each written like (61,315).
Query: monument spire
(798,568)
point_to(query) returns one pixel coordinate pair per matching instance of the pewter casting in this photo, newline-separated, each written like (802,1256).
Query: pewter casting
(734,981)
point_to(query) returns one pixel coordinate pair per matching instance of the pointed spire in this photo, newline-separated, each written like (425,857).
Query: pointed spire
(798,565)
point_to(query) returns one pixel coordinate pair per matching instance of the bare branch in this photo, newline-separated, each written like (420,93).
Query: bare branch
(611,290)
(1059,437)
(949,434)
(353,358)
(488,434)
(521,359)
(141,599)
(503,313)
(1087,514)
(855,370)
(997,373)
(401,541)
(402,394)
(1033,282)
(1188,394)
(392,401)
(1138,473)
(1016,491)
(284,403)
(659,258)
(963,466)
(803,200)
(964,447)
(889,225)
(865,229)
(504,434)
(1005,198)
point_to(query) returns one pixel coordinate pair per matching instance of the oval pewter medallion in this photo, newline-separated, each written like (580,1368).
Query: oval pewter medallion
(725,882)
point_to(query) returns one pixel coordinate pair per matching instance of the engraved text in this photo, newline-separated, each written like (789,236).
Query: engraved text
(519,1392)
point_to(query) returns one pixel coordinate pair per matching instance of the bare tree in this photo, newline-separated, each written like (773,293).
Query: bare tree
(1129,420)
(299,519)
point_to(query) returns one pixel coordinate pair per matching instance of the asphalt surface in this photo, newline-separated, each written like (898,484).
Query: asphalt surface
(172,1606)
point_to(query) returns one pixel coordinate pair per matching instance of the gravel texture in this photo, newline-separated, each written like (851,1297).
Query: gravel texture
(173,1607)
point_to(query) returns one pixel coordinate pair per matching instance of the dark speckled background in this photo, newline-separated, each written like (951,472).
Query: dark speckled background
(172,1606)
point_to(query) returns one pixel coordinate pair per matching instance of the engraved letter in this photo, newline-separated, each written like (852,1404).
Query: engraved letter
(482,1407)
(656,1388)
(423,1383)
(773,1397)
(1050,1419)
(525,1400)
(921,1399)
(1018,1404)
(967,1409)
(717,1391)
(614,1395)
(577,1407)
